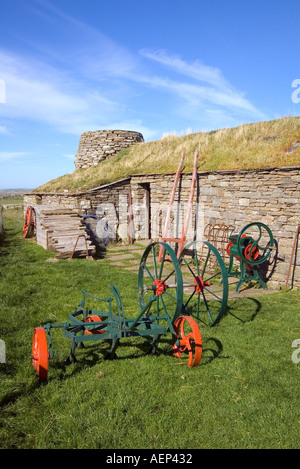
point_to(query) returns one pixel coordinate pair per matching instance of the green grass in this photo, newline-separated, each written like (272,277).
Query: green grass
(15,200)
(244,393)
(250,146)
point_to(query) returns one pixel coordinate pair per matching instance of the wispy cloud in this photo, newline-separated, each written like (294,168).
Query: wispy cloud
(208,87)
(93,82)
(196,70)
(43,93)
(3,130)
(6,155)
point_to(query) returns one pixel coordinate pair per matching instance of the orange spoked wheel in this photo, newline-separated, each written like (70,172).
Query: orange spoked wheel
(251,252)
(28,227)
(190,340)
(40,353)
(93,318)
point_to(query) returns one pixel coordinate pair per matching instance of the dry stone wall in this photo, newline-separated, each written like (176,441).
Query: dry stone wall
(233,198)
(102,144)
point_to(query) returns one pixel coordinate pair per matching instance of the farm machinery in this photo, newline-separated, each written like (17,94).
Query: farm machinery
(171,290)
(251,251)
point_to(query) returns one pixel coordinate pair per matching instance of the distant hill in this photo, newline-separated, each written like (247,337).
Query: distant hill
(13,192)
(259,145)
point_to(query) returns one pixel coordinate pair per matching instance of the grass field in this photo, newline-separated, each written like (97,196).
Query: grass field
(244,394)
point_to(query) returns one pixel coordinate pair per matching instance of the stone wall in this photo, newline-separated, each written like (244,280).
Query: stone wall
(102,144)
(232,198)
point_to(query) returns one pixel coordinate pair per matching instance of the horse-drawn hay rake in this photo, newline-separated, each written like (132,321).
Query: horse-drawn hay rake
(170,291)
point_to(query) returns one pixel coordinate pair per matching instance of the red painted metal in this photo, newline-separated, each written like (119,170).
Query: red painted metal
(172,197)
(189,206)
(160,287)
(180,241)
(93,318)
(190,341)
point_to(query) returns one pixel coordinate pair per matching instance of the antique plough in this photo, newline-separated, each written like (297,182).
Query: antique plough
(162,311)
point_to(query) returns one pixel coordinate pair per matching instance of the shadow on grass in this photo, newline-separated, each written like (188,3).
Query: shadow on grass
(244,309)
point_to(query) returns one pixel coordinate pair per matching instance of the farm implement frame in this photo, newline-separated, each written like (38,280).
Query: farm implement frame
(170,291)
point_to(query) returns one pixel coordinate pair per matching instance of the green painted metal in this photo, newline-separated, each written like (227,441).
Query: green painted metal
(168,305)
(258,246)
(202,266)
(160,305)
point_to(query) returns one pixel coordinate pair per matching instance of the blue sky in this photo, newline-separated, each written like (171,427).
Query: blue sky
(158,67)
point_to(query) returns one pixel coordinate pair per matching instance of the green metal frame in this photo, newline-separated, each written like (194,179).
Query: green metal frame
(114,327)
(237,250)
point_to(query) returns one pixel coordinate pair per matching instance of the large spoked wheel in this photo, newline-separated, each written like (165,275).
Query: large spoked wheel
(259,248)
(40,353)
(160,283)
(187,340)
(29,222)
(205,281)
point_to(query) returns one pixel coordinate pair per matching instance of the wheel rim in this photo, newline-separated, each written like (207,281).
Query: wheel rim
(188,335)
(93,318)
(40,353)
(160,283)
(28,222)
(205,281)
(262,241)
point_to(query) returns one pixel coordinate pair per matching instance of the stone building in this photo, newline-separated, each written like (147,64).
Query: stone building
(232,198)
(136,206)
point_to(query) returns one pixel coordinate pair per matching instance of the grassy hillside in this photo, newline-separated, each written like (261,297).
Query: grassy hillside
(262,144)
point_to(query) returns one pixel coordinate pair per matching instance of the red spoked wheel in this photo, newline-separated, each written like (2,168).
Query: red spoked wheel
(93,318)
(28,226)
(251,252)
(40,353)
(190,340)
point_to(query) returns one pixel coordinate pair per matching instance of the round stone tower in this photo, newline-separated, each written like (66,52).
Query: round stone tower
(102,144)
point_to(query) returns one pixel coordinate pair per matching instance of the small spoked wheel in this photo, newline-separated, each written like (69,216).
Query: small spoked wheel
(187,340)
(205,281)
(40,353)
(160,282)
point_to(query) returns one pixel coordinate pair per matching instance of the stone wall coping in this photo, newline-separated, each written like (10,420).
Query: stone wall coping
(201,173)
(224,171)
